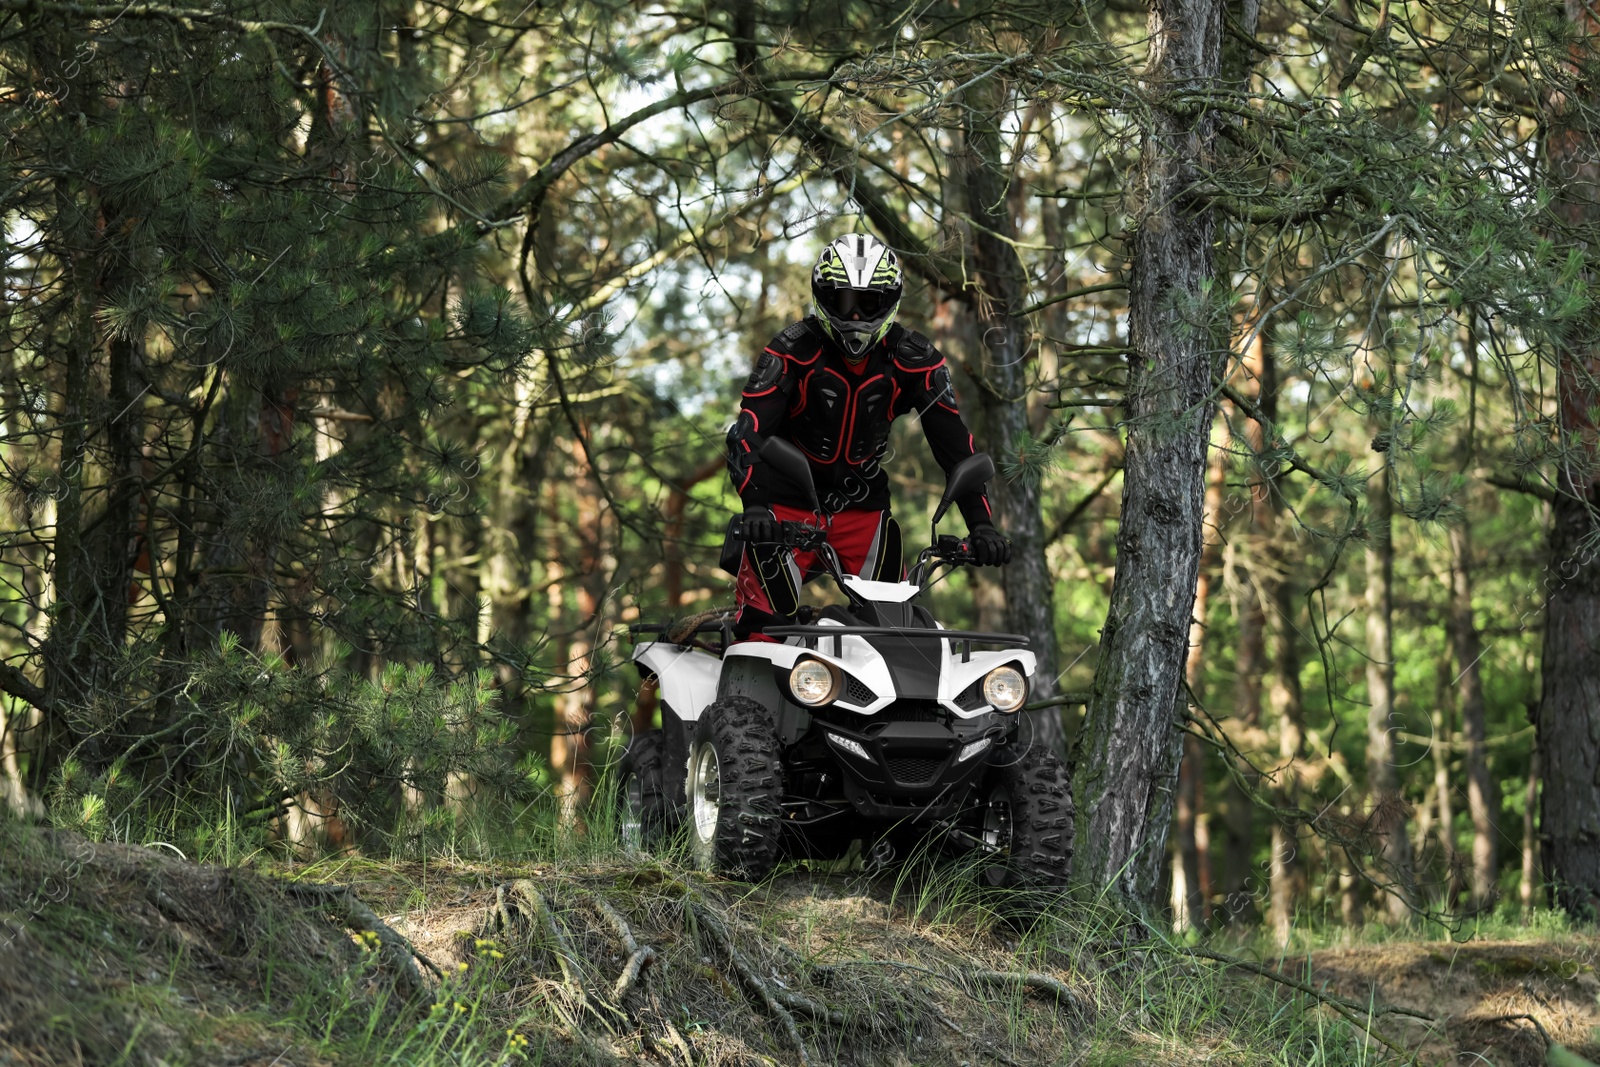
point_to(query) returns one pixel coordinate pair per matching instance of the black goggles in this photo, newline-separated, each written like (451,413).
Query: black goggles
(846,302)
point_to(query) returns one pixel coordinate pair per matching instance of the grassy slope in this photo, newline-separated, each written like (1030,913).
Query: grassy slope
(115,954)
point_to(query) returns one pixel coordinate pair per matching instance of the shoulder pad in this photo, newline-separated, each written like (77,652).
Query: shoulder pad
(915,352)
(796,342)
(768,372)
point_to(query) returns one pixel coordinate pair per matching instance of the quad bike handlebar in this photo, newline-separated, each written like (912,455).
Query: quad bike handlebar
(947,549)
(790,534)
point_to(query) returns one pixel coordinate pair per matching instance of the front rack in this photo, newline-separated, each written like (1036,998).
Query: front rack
(813,635)
(968,638)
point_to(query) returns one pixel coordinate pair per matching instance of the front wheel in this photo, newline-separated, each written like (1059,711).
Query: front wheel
(735,789)
(1025,810)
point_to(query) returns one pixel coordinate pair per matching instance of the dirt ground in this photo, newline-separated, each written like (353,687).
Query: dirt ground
(121,955)
(1488,999)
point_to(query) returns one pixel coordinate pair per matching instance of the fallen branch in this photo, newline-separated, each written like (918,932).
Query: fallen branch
(1032,980)
(1350,1009)
(341,902)
(1517,1017)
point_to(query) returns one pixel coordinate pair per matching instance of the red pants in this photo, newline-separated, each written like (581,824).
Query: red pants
(770,576)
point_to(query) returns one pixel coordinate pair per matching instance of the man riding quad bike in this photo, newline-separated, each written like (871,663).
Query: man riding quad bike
(792,731)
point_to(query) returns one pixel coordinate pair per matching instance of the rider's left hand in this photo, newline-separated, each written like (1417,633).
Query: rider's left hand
(990,548)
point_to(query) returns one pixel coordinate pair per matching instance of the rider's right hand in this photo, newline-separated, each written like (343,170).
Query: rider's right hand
(760,526)
(989,547)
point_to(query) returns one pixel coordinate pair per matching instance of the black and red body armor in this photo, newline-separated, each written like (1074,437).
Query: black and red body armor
(839,413)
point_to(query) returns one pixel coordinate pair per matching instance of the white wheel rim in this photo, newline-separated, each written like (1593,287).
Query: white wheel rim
(705,790)
(633,814)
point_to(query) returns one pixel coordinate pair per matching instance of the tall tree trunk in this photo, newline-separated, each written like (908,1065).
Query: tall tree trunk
(570,749)
(1530,837)
(1191,871)
(1285,874)
(1482,803)
(1285,878)
(1383,779)
(1129,748)
(1005,369)
(1568,717)
(1253,581)
(1443,727)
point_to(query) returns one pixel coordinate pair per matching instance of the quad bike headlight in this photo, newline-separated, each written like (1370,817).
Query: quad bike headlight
(1005,688)
(813,682)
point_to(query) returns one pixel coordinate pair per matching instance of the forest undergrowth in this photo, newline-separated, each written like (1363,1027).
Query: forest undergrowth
(566,951)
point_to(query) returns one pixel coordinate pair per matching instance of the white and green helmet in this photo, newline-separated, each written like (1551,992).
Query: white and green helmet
(856,285)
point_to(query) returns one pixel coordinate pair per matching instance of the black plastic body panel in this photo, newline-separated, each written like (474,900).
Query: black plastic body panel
(675,759)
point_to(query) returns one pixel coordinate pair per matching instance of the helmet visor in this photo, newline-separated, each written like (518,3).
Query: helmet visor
(843,302)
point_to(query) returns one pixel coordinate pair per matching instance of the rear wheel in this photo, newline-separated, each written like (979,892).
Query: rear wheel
(1026,821)
(641,798)
(735,789)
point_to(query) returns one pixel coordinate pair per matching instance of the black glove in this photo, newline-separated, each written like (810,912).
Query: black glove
(760,525)
(990,548)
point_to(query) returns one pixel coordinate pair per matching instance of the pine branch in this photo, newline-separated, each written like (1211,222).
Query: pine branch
(15,683)
(836,157)
(187,17)
(529,197)
(1071,517)
(1071,294)
(1521,485)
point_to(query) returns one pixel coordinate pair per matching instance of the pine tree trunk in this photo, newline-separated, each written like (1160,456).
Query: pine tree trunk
(1191,866)
(1285,875)
(1129,747)
(1442,791)
(571,750)
(1568,717)
(1530,837)
(1383,780)
(1482,802)
(1568,722)
(1006,370)
(1250,665)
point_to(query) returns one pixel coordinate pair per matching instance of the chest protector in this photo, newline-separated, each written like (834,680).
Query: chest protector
(837,414)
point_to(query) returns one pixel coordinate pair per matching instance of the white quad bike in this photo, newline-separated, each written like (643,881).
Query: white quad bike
(866,721)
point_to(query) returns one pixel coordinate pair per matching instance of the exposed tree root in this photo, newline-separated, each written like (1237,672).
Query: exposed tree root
(639,956)
(342,903)
(524,898)
(708,920)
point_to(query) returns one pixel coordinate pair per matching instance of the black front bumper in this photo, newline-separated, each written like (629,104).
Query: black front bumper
(893,768)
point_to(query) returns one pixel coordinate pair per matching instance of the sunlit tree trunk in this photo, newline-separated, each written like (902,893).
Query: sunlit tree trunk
(1285,870)
(1129,747)
(1383,779)
(571,750)
(1530,836)
(1442,792)
(1191,871)
(1482,801)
